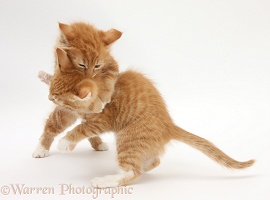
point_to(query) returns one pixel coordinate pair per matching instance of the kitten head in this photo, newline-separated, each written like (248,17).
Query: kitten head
(70,86)
(87,47)
(83,63)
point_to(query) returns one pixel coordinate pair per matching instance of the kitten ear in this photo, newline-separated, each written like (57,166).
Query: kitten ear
(111,36)
(85,93)
(65,29)
(63,59)
(85,90)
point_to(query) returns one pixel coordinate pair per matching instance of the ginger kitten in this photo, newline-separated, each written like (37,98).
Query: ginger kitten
(90,53)
(138,116)
(84,77)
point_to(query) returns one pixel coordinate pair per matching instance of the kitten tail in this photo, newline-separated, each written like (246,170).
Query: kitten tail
(208,149)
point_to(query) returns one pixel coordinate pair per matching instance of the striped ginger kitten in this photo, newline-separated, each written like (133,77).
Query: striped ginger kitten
(95,67)
(138,116)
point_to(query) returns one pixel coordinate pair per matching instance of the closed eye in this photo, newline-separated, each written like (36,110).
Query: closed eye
(97,66)
(82,65)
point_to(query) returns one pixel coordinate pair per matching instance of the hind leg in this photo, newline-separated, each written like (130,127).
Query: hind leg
(130,161)
(130,166)
(150,164)
(122,178)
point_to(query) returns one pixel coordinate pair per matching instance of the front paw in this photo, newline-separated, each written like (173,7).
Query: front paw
(40,152)
(102,147)
(65,145)
(100,108)
(97,106)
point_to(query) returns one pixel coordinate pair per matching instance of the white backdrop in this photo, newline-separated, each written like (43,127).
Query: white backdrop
(209,59)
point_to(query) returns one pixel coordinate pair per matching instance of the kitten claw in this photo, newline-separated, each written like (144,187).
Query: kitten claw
(65,145)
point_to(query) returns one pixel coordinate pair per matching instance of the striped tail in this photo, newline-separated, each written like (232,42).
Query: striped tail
(208,149)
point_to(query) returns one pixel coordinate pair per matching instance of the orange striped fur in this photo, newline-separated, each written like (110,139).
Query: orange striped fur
(136,113)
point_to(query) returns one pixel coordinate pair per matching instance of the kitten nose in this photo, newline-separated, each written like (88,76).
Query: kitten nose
(51,98)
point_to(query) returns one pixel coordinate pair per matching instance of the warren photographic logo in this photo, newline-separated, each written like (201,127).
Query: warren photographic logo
(63,190)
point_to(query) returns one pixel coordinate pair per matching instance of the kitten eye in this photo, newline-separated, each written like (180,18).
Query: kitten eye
(82,65)
(97,66)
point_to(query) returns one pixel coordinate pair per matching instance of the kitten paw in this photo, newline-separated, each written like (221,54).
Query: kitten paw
(40,152)
(112,180)
(44,77)
(105,182)
(65,145)
(100,109)
(102,147)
